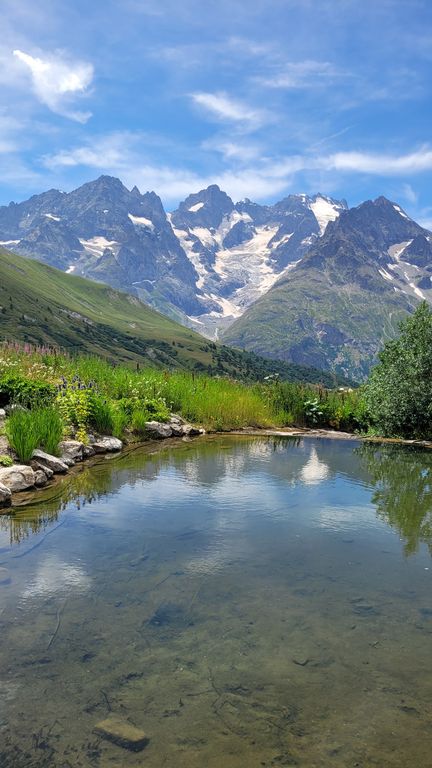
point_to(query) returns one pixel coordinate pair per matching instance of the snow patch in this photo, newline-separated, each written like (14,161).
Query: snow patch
(141,221)
(386,275)
(417,291)
(9,242)
(196,207)
(70,269)
(395,251)
(52,217)
(284,239)
(402,213)
(324,211)
(96,245)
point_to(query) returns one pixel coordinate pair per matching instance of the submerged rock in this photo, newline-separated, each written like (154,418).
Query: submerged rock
(19,477)
(58,466)
(5,496)
(122,733)
(107,445)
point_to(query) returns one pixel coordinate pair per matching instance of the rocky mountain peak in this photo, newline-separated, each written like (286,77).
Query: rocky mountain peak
(205,208)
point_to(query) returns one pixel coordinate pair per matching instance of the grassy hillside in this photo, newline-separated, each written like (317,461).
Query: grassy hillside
(41,305)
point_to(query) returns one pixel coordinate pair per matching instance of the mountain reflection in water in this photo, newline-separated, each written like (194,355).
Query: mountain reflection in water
(400,478)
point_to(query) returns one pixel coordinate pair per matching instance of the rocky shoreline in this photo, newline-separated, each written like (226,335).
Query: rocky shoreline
(17,477)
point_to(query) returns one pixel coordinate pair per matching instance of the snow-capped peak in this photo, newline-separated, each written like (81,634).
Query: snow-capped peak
(324,209)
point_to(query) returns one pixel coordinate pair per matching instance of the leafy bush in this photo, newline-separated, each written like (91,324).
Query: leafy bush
(27,392)
(398,394)
(74,402)
(5,461)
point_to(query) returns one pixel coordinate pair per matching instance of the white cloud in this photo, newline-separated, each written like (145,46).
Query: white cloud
(57,81)
(385,165)
(225,109)
(121,154)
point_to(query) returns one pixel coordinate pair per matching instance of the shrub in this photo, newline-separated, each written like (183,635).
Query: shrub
(27,392)
(398,393)
(5,461)
(74,402)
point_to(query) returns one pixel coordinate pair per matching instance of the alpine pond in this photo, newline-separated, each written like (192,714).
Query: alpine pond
(239,601)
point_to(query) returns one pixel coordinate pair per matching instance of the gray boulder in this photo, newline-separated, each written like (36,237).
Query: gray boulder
(88,451)
(175,419)
(46,470)
(2,414)
(19,477)
(72,450)
(5,496)
(176,429)
(190,431)
(158,430)
(58,466)
(107,445)
(40,478)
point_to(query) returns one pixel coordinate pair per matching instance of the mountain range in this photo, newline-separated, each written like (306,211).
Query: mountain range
(44,306)
(307,279)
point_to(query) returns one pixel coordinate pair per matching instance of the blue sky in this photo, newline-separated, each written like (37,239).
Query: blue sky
(263,97)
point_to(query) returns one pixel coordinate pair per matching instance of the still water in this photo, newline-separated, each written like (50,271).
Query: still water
(245,601)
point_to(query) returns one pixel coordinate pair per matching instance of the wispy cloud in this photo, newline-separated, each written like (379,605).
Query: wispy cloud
(57,80)
(126,155)
(381,164)
(302,74)
(226,109)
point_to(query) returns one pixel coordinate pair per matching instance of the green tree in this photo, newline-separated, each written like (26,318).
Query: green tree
(398,393)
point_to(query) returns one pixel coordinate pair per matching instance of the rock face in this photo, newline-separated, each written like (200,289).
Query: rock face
(122,733)
(5,496)
(19,477)
(58,466)
(107,445)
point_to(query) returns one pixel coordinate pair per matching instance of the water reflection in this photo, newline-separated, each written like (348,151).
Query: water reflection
(238,599)
(401,478)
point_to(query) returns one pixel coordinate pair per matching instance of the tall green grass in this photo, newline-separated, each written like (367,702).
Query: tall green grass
(27,430)
(22,434)
(120,399)
(48,428)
